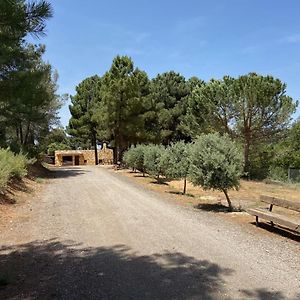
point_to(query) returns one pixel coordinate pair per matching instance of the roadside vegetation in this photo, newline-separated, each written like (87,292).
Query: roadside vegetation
(125,108)
(12,166)
(29,102)
(212,162)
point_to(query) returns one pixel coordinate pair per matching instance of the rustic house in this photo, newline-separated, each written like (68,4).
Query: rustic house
(82,157)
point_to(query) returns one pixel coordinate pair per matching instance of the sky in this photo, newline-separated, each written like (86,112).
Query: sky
(207,39)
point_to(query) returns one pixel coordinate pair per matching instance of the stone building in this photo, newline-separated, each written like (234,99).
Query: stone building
(82,157)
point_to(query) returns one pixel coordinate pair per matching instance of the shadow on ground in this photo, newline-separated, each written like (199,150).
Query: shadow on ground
(181,194)
(285,232)
(215,207)
(54,270)
(62,172)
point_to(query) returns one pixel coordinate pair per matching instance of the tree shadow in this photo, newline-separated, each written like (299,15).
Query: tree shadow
(215,207)
(181,194)
(14,186)
(282,231)
(140,175)
(55,270)
(264,294)
(159,182)
(64,172)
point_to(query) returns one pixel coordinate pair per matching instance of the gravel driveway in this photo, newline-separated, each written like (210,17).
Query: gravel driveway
(94,234)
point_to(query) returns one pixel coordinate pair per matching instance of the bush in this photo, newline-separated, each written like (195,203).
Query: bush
(134,158)
(216,163)
(57,146)
(278,173)
(138,158)
(177,162)
(11,166)
(128,157)
(153,160)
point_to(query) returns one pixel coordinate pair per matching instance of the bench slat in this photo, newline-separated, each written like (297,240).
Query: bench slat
(276,218)
(293,205)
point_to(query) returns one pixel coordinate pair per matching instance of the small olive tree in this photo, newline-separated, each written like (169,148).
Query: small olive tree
(177,162)
(216,163)
(134,158)
(128,157)
(153,160)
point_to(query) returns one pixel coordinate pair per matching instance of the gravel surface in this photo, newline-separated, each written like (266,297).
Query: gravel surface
(94,234)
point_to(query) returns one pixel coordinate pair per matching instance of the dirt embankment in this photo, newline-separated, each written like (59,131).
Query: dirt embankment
(20,191)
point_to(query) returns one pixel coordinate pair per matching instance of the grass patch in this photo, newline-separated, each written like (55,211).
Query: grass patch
(12,166)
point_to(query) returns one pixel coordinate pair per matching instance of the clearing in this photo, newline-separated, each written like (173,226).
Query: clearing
(94,234)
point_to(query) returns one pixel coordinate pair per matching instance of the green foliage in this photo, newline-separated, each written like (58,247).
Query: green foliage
(177,161)
(82,127)
(120,113)
(153,160)
(28,100)
(251,108)
(11,166)
(278,173)
(134,158)
(167,98)
(57,146)
(216,163)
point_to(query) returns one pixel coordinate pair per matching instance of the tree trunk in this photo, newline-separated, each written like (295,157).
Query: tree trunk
(184,186)
(21,133)
(246,153)
(230,208)
(95,146)
(27,134)
(246,158)
(115,157)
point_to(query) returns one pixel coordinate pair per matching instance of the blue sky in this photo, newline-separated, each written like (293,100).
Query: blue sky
(207,39)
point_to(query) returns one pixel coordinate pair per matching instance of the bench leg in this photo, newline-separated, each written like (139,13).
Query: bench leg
(256,221)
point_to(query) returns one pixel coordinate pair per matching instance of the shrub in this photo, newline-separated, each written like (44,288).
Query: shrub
(11,166)
(128,157)
(177,162)
(138,158)
(278,173)
(57,146)
(216,163)
(134,158)
(153,160)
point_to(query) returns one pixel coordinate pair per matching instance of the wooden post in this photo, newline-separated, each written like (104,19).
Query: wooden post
(270,209)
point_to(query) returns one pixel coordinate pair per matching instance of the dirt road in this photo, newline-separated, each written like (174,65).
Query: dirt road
(94,234)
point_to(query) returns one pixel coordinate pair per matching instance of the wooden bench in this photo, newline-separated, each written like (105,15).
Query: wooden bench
(267,214)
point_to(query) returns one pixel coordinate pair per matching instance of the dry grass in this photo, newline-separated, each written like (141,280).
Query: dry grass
(247,196)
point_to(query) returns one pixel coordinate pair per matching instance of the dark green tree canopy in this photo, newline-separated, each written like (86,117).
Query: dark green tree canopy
(251,108)
(120,114)
(168,94)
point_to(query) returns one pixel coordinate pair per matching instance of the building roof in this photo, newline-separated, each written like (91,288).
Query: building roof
(72,152)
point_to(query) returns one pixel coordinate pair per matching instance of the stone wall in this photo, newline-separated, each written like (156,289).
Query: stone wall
(86,157)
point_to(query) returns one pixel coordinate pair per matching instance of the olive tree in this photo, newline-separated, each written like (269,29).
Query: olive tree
(154,164)
(176,160)
(134,158)
(216,163)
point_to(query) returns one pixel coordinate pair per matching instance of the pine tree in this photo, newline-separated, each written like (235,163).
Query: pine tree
(81,124)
